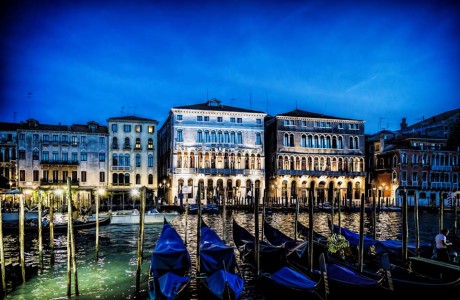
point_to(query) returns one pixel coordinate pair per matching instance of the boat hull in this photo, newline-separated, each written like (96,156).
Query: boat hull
(130,217)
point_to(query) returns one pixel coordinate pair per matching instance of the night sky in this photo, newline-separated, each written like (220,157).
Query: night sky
(71,62)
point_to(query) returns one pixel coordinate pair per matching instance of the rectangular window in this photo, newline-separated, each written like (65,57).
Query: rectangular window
(46,175)
(65,174)
(65,138)
(232,120)
(65,156)
(102,140)
(22,137)
(199,118)
(239,120)
(36,174)
(83,139)
(127,128)
(46,138)
(74,140)
(151,129)
(114,127)
(22,175)
(74,157)
(35,137)
(101,156)
(74,176)
(219,119)
(138,161)
(35,155)
(55,156)
(83,156)
(55,138)
(206,118)
(45,156)
(83,176)
(22,154)
(179,136)
(138,128)
(179,117)
(101,176)
(55,175)
(259,121)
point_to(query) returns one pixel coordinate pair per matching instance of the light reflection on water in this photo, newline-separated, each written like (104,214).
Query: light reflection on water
(114,274)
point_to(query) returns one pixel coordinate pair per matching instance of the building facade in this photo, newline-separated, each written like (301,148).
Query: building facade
(214,150)
(8,155)
(49,154)
(313,152)
(133,156)
(414,165)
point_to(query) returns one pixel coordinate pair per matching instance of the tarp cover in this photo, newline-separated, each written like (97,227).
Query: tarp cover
(217,281)
(170,253)
(171,284)
(214,253)
(339,273)
(292,279)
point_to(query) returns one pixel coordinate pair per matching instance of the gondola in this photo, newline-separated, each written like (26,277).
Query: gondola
(218,267)
(169,267)
(400,278)
(32,226)
(341,279)
(276,279)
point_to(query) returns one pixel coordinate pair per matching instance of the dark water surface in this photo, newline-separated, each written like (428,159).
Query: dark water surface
(113,276)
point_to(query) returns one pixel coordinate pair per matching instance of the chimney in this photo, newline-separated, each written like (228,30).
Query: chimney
(403,124)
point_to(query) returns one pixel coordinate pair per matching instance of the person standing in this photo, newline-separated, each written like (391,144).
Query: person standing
(441,245)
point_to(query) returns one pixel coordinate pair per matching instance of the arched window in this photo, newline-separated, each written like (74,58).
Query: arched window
(351,144)
(213,136)
(138,160)
(219,137)
(138,144)
(150,179)
(115,143)
(232,137)
(127,178)
(339,143)
(179,137)
(127,143)
(150,161)
(310,141)
(316,144)
(303,141)
(226,137)
(291,140)
(240,138)
(114,178)
(115,159)
(286,140)
(138,178)
(150,144)
(207,138)
(121,178)
(199,136)
(127,160)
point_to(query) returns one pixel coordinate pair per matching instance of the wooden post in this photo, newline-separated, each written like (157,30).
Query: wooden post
(262,234)
(296,219)
(2,252)
(417,225)
(51,225)
(69,251)
(332,215)
(40,229)
(97,223)
(140,240)
(198,232)
(186,220)
(339,205)
(361,234)
(256,232)
(404,226)
(374,214)
(72,237)
(455,200)
(21,237)
(310,230)
(441,211)
(224,216)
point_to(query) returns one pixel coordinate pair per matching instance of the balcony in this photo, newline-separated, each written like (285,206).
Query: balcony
(120,168)
(441,185)
(138,148)
(319,173)
(126,147)
(58,181)
(59,162)
(441,168)
(114,147)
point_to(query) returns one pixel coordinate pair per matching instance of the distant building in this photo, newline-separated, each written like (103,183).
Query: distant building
(8,155)
(420,161)
(307,151)
(215,149)
(133,156)
(49,154)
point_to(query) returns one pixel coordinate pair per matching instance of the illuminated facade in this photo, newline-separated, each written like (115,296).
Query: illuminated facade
(49,154)
(313,152)
(8,153)
(213,148)
(133,154)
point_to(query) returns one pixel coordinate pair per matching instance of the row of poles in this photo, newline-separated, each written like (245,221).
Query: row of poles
(71,246)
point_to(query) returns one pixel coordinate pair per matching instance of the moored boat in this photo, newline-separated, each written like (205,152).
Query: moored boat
(169,274)
(132,216)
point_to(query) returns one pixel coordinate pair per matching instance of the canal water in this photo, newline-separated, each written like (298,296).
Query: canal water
(113,276)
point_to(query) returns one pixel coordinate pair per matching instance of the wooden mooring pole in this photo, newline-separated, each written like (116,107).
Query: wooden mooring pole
(21,237)
(140,240)
(40,232)
(2,252)
(51,225)
(71,260)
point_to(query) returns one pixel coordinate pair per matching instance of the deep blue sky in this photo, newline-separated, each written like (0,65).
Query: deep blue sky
(91,60)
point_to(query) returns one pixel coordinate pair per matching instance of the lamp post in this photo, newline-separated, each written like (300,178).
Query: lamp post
(164,185)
